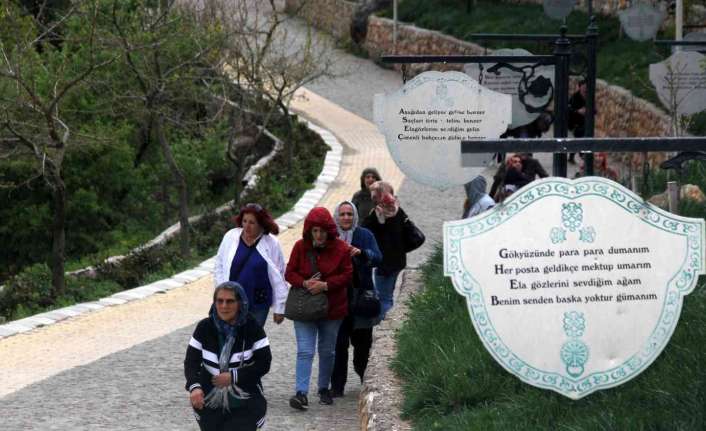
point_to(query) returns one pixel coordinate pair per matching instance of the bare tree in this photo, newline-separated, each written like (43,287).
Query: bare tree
(269,64)
(36,80)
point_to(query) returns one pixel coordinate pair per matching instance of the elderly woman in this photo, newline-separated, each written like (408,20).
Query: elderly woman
(320,263)
(227,356)
(355,330)
(251,255)
(387,223)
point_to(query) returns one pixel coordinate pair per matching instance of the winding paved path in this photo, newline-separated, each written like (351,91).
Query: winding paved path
(120,368)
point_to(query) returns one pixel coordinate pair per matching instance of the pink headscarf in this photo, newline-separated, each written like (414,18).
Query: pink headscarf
(387,204)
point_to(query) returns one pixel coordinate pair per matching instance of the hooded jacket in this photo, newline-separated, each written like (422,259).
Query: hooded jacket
(361,199)
(250,356)
(333,262)
(478,200)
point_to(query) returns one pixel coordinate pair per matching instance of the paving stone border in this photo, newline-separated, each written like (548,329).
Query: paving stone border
(309,200)
(380,401)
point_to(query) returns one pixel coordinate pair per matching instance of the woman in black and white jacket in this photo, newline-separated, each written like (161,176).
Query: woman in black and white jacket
(227,356)
(251,256)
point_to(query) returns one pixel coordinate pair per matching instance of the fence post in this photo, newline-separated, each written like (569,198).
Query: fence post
(562,50)
(673,196)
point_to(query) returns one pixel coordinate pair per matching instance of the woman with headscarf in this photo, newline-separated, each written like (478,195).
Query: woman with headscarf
(251,255)
(355,330)
(477,200)
(362,199)
(320,263)
(387,223)
(227,356)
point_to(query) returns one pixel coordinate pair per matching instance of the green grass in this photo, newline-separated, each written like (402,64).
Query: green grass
(452,383)
(621,61)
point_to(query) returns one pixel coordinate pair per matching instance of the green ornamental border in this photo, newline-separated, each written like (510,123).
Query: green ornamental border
(681,284)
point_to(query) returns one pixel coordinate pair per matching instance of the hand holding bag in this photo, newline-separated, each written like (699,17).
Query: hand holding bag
(301,305)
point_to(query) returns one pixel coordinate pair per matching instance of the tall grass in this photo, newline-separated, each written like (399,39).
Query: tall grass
(452,383)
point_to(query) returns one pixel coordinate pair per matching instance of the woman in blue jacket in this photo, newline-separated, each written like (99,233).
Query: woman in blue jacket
(355,330)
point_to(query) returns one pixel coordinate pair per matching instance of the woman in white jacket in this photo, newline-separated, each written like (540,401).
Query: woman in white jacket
(251,255)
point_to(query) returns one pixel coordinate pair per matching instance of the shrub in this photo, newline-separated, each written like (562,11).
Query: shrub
(30,290)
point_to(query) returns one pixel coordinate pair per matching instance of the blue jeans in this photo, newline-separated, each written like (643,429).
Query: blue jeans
(306,333)
(385,286)
(260,316)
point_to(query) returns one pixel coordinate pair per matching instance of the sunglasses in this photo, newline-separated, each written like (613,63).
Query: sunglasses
(256,207)
(227,301)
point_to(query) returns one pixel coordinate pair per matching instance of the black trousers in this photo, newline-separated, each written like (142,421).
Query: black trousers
(245,419)
(361,339)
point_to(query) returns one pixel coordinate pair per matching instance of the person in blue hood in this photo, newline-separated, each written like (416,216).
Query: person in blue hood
(226,358)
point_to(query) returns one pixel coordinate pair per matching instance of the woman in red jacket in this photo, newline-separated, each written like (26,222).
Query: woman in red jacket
(320,263)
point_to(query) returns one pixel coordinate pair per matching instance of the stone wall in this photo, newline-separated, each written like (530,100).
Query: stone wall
(332,16)
(619,112)
(603,7)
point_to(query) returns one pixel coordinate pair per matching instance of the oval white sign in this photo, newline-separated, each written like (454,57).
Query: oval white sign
(425,121)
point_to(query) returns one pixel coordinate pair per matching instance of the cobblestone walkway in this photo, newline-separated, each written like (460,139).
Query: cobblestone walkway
(120,368)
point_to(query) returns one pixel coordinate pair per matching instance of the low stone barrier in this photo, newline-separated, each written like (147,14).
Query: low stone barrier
(331,16)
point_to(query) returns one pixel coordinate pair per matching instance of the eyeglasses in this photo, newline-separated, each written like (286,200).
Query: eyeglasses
(346,214)
(256,207)
(227,301)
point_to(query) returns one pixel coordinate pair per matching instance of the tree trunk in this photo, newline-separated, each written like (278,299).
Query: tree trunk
(58,249)
(184,231)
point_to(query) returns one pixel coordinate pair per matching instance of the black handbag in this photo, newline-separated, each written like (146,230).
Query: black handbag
(366,303)
(301,305)
(413,237)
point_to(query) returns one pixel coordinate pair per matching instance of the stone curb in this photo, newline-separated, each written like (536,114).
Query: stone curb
(330,170)
(380,400)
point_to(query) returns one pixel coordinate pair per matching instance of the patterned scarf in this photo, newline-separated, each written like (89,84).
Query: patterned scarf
(218,397)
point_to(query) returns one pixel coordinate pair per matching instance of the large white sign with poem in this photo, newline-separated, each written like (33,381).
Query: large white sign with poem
(574,286)
(425,121)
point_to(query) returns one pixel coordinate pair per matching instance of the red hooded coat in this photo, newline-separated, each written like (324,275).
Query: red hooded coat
(333,261)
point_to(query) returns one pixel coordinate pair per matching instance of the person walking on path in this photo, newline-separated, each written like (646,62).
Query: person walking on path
(477,200)
(362,199)
(227,356)
(355,330)
(577,114)
(531,168)
(387,223)
(251,255)
(320,263)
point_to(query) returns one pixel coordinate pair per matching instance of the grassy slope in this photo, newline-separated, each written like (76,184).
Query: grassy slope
(452,383)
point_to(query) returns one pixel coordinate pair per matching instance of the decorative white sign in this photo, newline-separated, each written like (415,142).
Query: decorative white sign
(531,86)
(558,9)
(425,121)
(680,82)
(641,21)
(574,285)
